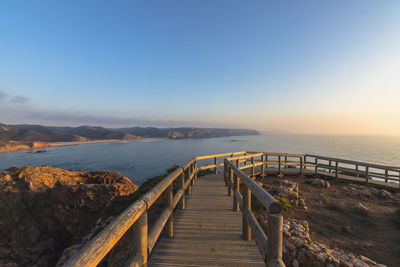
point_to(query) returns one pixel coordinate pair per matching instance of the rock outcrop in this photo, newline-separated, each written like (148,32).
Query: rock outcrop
(45,210)
(367,192)
(300,250)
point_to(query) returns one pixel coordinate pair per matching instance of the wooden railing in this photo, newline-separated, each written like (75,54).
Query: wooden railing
(357,169)
(270,245)
(136,214)
(217,162)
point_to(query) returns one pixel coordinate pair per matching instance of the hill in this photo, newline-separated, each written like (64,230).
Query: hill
(38,133)
(35,133)
(186,132)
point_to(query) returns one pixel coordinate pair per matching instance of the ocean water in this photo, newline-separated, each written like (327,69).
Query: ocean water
(142,160)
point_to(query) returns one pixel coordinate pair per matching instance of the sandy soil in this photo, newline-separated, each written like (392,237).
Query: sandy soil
(332,222)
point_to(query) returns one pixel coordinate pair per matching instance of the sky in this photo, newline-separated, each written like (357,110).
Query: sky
(321,67)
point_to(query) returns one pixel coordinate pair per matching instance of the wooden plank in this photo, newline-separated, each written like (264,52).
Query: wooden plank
(207,232)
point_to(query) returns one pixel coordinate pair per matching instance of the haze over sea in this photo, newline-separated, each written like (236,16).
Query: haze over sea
(142,160)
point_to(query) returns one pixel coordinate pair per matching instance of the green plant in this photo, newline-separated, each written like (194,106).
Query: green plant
(285,203)
(119,204)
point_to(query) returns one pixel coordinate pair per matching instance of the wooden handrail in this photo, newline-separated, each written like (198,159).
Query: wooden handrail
(95,250)
(220,155)
(271,246)
(386,172)
(353,162)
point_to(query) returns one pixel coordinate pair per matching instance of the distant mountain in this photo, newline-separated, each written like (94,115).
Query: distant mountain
(97,133)
(186,132)
(32,133)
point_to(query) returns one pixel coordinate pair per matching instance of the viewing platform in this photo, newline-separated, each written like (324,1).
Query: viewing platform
(208,220)
(208,232)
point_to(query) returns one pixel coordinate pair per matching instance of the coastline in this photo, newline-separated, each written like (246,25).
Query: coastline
(21,148)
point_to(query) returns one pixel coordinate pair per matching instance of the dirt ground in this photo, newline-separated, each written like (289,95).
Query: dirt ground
(334,223)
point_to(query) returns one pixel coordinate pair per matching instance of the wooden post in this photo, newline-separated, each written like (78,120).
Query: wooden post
(266,161)
(170,222)
(191,172)
(337,170)
(182,186)
(230,177)
(252,168)
(246,206)
(140,237)
(286,162)
(386,176)
(301,166)
(330,166)
(399,179)
(195,170)
(189,187)
(262,166)
(280,165)
(366,174)
(357,174)
(236,187)
(216,165)
(316,165)
(245,160)
(225,175)
(238,164)
(275,230)
(305,161)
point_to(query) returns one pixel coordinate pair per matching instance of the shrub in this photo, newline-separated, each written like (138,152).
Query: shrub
(285,203)
(119,204)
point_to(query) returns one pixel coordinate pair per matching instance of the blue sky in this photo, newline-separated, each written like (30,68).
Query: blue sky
(304,66)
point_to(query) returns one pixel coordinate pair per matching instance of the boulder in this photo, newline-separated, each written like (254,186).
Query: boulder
(360,209)
(319,183)
(367,192)
(384,194)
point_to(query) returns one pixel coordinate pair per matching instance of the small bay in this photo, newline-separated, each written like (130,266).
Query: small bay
(142,160)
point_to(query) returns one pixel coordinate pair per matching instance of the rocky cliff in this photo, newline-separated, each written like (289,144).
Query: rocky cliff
(45,210)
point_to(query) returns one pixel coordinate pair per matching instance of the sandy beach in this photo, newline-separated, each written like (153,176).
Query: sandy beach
(25,147)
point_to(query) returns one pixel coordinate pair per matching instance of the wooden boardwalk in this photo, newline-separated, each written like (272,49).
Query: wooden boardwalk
(208,232)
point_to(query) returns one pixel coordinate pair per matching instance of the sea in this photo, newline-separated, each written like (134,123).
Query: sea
(141,160)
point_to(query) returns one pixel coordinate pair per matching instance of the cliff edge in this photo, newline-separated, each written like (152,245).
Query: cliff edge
(45,210)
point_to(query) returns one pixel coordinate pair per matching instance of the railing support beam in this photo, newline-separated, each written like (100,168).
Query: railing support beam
(170,222)
(246,206)
(262,166)
(182,186)
(140,238)
(230,177)
(236,188)
(275,229)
